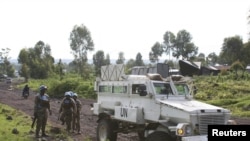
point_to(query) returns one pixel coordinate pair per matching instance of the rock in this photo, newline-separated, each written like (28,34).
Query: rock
(15,131)
(9,118)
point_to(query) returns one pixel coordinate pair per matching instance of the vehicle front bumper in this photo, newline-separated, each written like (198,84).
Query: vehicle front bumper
(195,138)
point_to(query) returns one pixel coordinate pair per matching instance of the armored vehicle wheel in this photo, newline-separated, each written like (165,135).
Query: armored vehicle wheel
(159,136)
(105,130)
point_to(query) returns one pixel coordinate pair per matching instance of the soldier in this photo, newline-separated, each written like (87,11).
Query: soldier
(26,91)
(76,118)
(67,109)
(41,108)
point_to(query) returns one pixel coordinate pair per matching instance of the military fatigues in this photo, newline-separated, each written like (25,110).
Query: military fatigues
(67,109)
(76,119)
(41,108)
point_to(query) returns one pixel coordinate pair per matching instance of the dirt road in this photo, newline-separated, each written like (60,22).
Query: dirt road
(12,97)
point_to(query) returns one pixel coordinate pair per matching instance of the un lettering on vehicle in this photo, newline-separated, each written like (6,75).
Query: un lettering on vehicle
(129,114)
(124,112)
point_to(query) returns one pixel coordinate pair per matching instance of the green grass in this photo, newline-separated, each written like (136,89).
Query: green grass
(225,91)
(22,122)
(19,121)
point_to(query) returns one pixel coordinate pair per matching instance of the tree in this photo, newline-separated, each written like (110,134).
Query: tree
(156,51)
(25,72)
(129,65)
(81,42)
(246,53)
(38,62)
(200,58)
(121,58)
(47,58)
(107,60)
(231,49)
(169,41)
(138,60)
(72,67)
(183,46)
(170,63)
(9,68)
(212,58)
(5,65)
(23,59)
(99,61)
(41,62)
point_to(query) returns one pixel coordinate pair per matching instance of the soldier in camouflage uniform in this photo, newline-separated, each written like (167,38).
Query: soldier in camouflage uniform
(76,118)
(67,109)
(41,108)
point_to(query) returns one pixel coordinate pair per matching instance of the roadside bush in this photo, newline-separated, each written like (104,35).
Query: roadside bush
(58,90)
(86,90)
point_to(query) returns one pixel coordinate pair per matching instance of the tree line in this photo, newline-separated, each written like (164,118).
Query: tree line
(38,63)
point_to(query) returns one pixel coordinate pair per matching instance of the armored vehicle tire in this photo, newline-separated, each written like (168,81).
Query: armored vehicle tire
(105,130)
(159,136)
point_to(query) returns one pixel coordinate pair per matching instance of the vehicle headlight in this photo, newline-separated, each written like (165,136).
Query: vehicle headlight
(183,129)
(231,122)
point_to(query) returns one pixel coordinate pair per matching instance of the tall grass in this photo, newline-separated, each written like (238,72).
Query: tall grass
(226,91)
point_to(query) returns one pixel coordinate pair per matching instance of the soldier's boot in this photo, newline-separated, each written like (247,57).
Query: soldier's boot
(37,134)
(44,134)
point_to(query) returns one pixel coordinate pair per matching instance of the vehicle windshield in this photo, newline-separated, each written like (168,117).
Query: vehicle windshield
(182,88)
(163,88)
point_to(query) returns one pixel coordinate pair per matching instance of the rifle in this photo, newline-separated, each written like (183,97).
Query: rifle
(33,122)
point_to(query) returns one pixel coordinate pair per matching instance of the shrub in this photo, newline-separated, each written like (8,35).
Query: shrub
(67,85)
(86,90)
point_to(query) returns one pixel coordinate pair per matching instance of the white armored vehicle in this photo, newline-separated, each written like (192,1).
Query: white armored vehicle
(157,109)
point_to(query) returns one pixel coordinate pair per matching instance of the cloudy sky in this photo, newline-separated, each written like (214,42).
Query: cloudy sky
(129,26)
